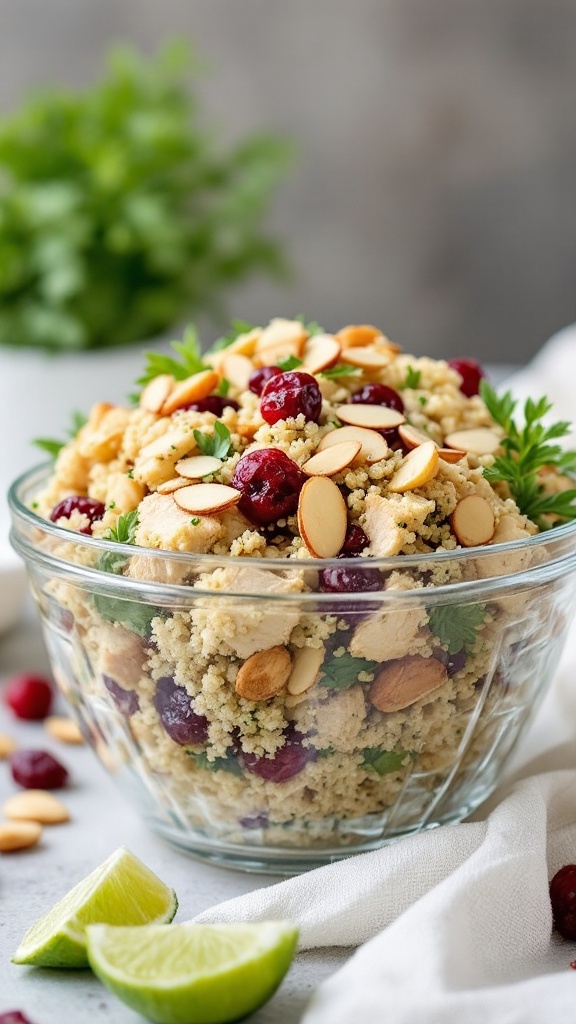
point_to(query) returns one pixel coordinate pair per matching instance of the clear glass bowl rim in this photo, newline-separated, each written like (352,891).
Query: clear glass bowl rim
(102,581)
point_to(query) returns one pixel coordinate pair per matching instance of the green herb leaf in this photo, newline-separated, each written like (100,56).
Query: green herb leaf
(310,326)
(527,450)
(341,673)
(219,764)
(133,614)
(412,378)
(238,327)
(384,761)
(223,387)
(289,363)
(325,752)
(219,445)
(51,445)
(340,370)
(121,210)
(456,625)
(189,362)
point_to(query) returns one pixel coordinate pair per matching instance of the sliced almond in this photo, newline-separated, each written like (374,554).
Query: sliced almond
(264,674)
(416,469)
(243,345)
(172,445)
(322,517)
(404,681)
(375,417)
(206,499)
(451,454)
(478,441)
(332,459)
(368,358)
(412,436)
(156,392)
(36,805)
(320,351)
(192,389)
(7,745)
(373,445)
(63,729)
(173,485)
(473,521)
(19,835)
(306,668)
(358,335)
(197,466)
(281,332)
(237,369)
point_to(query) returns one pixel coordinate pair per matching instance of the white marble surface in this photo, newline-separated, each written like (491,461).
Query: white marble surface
(30,882)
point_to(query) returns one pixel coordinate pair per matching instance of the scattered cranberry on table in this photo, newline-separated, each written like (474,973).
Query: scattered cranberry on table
(563,899)
(14,1017)
(471,373)
(289,394)
(89,507)
(29,697)
(270,483)
(37,769)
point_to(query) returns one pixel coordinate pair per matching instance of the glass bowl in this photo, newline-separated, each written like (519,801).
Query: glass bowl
(258,721)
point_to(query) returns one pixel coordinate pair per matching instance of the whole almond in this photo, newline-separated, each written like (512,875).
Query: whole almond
(63,729)
(406,680)
(264,674)
(307,665)
(7,745)
(19,835)
(36,805)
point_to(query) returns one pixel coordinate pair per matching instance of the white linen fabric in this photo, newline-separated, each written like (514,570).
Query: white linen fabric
(454,925)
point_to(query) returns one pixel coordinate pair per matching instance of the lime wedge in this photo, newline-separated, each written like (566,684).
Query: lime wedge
(193,973)
(122,890)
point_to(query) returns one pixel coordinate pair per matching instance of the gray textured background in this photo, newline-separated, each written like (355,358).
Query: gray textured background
(435,189)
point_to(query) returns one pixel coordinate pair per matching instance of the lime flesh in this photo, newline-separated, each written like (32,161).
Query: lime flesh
(121,891)
(193,973)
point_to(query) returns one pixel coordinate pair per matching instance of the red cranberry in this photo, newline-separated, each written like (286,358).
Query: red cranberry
(173,704)
(471,373)
(37,769)
(289,394)
(563,899)
(213,403)
(258,378)
(14,1017)
(354,542)
(126,701)
(349,580)
(378,394)
(270,483)
(452,662)
(89,507)
(30,697)
(288,761)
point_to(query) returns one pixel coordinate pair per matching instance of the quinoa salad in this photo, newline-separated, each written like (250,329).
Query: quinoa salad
(284,701)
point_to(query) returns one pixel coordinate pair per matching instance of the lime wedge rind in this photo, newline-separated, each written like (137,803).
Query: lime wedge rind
(191,973)
(122,890)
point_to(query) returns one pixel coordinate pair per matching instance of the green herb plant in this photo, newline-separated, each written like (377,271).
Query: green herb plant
(135,615)
(456,625)
(341,673)
(529,448)
(51,445)
(120,213)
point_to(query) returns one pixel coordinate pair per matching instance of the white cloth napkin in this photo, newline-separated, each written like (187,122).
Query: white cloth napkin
(454,926)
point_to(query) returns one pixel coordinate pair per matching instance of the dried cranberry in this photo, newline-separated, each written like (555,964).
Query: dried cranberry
(354,542)
(126,701)
(212,403)
(256,821)
(258,378)
(173,704)
(288,761)
(378,394)
(270,483)
(289,394)
(37,769)
(89,507)
(563,899)
(349,580)
(14,1017)
(452,662)
(30,697)
(471,373)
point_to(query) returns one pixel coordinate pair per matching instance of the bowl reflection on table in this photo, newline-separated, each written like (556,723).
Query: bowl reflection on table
(258,721)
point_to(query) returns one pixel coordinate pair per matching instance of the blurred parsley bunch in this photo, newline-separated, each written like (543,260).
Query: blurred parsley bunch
(120,214)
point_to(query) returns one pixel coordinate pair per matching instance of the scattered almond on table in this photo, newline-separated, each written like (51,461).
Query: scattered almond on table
(63,729)
(19,835)
(36,805)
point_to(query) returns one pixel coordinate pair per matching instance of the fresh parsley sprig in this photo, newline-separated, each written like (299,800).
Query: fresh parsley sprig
(456,625)
(189,359)
(219,445)
(341,673)
(528,449)
(340,370)
(135,615)
(51,445)
(384,761)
